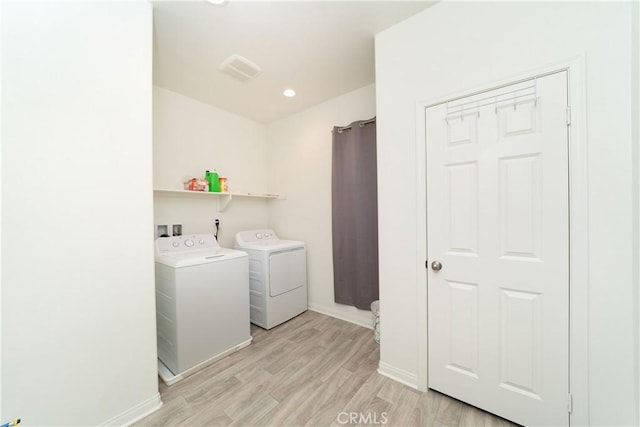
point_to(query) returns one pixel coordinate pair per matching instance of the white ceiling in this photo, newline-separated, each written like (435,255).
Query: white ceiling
(321,49)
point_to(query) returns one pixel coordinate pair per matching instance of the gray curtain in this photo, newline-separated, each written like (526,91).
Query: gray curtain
(355,214)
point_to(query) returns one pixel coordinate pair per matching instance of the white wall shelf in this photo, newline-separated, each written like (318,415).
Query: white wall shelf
(223,199)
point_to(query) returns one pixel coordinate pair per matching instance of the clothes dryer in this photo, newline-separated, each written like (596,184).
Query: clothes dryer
(277,276)
(202,303)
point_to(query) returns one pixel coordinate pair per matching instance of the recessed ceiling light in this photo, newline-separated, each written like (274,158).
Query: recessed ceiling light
(289,93)
(217,2)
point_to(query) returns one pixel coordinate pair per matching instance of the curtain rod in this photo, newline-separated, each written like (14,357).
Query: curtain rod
(361,124)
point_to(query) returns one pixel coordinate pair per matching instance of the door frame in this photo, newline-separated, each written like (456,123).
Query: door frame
(578,229)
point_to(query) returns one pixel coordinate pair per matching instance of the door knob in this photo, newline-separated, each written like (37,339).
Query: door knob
(436,266)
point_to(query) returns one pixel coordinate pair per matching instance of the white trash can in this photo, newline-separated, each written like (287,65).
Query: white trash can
(375,314)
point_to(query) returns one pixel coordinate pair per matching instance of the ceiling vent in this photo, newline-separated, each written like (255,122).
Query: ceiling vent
(240,68)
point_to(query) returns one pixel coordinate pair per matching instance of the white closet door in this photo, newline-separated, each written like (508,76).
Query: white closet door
(497,222)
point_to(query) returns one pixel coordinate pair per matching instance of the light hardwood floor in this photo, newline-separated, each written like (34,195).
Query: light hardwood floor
(311,371)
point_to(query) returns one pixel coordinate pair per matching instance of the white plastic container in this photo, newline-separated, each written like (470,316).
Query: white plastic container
(375,315)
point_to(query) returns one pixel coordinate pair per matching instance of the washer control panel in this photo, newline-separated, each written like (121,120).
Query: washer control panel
(186,243)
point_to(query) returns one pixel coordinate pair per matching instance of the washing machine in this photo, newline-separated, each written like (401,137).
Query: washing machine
(277,276)
(202,303)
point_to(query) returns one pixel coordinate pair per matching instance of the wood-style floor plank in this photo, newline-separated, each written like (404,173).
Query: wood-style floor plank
(313,371)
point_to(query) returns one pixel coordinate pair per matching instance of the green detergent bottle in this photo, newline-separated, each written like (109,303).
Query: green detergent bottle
(214,181)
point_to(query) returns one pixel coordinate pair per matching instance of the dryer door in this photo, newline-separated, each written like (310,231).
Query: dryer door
(287,271)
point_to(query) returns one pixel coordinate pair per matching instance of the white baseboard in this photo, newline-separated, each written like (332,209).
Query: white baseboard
(358,317)
(402,376)
(136,413)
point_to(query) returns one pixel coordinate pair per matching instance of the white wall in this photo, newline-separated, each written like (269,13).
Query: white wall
(78,311)
(299,159)
(1,218)
(635,136)
(190,137)
(457,46)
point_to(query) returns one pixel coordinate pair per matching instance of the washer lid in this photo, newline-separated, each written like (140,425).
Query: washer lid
(197,257)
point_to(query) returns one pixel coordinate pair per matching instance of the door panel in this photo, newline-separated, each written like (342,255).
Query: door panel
(520,206)
(521,332)
(463,299)
(463,207)
(497,220)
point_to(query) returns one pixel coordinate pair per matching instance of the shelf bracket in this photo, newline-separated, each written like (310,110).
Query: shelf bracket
(223,202)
